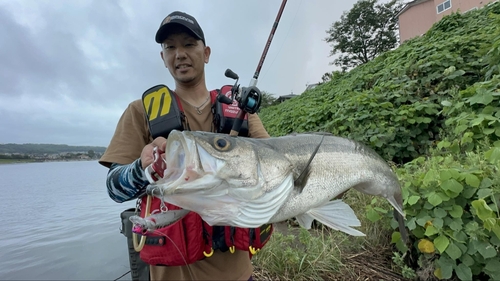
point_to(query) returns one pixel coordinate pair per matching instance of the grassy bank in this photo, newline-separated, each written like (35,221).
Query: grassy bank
(294,253)
(432,108)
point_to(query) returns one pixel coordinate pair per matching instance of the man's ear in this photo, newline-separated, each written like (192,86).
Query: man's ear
(207,51)
(162,58)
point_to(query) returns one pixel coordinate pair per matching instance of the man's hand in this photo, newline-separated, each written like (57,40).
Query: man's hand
(147,155)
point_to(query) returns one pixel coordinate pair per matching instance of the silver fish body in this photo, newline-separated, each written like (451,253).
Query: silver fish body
(248,182)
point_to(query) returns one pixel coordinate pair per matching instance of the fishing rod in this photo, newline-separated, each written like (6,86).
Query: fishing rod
(253,82)
(249,98)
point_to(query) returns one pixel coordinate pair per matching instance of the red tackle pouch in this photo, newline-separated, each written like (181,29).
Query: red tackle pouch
(248,239)
(184,242)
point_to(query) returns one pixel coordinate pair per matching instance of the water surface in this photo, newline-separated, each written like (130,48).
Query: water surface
(58,223)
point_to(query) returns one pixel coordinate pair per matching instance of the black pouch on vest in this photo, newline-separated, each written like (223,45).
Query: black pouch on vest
(162,110)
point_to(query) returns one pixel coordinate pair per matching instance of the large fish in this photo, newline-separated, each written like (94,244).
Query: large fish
(248,182)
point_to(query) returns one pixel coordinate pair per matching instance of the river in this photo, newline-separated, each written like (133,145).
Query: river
(58,223)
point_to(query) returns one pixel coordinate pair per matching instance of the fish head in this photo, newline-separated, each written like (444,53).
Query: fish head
(219,176)
(199,160)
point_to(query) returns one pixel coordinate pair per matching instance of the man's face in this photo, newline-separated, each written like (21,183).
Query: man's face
(185,56)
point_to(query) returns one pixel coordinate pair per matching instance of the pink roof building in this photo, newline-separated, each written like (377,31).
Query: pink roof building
(418,16)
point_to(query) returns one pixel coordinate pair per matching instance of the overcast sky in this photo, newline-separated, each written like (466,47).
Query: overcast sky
(68,69)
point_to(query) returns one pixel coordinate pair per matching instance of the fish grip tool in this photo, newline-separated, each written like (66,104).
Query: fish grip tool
(154,172)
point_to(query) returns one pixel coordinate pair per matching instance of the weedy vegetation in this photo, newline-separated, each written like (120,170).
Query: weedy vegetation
(431,107)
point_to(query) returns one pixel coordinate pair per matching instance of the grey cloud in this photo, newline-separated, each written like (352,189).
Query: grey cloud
(70,68)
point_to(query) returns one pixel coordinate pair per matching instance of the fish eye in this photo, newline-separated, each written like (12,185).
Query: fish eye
(221,144)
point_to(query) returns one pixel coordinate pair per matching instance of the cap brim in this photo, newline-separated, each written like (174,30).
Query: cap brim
(164,30)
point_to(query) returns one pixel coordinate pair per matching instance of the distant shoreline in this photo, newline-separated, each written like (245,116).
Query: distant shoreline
(24,161)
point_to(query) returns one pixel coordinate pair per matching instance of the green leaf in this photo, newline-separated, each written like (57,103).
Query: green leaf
(411,224)
(482,96)
(443,144)
(472,180)
(456,74)
(493,265)
(472,227)
(467,260)
(489,223)
(456,211)
(438,223)
(472,247)
(445,175)
(452,185)
(461,238)
(446,103)
(488,131)
(446,264)
(395,237)
(434,199)
(496,230)
(373,215)
(495,240)
(443,196)
(453,251)
(463,272)
(441,243)
(456,225)
(430,230)
(440,213)
(429,177)
(423,218)
(484,192)
(483,211)
(486,182)
(380,210)
(460,129)
(486,250)
(493,155)
(477,121)
(412,200)
(468,192)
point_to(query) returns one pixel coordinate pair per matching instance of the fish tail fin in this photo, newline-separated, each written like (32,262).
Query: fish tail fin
(402,227)
(335,214)
(397,202)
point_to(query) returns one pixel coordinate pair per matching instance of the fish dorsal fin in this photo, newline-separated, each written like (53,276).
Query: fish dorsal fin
(301,180)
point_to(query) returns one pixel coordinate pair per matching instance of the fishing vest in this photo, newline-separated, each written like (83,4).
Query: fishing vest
(191,239)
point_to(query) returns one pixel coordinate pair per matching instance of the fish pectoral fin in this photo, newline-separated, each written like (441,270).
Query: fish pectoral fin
(337,215)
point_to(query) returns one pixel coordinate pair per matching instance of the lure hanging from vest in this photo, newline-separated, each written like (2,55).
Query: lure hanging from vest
(192,239)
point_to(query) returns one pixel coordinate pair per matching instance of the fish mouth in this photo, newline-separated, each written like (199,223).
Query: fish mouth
(189,167)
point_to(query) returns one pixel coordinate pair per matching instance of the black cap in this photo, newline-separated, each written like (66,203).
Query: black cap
(183,19)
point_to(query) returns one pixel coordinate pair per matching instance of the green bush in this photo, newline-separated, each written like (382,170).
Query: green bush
(474,114)
(432,106)
(451,202)
(395,102)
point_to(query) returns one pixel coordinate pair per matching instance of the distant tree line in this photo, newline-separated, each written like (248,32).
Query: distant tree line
(33,148)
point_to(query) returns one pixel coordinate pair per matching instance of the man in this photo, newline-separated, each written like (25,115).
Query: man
(184,54)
